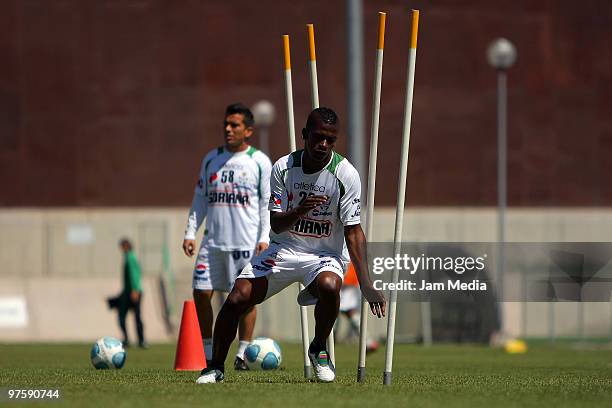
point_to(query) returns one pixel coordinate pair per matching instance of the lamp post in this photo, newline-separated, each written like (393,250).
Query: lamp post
(355,88)
(501,55)
(264,114)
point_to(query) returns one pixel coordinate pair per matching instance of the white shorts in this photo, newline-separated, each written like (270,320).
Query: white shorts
(350,298)
(284,266)
(216,269)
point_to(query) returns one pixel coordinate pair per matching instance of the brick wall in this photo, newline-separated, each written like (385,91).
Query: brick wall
(113,103)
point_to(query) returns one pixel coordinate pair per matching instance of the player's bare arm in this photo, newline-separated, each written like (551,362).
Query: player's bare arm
(260,247)
(282,221)
(189,246)
(357,247)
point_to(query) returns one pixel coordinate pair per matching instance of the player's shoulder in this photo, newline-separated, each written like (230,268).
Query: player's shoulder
(217,151)
(342,168)
(210,156)
(260,157)
(290,160)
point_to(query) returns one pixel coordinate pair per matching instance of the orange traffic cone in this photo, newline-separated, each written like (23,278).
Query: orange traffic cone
(189,350)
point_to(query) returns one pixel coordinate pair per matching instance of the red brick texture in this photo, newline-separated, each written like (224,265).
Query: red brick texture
(114,103)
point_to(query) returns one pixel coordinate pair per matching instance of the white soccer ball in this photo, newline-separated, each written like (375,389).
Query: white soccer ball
(263,354)
(108,352)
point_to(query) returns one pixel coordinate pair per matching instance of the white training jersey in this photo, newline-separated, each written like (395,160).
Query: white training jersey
(232,193)
(322,229)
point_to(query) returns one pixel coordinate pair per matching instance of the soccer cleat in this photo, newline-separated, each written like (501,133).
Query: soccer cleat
(240,365)
(323,367)
(210,376)
(305,298)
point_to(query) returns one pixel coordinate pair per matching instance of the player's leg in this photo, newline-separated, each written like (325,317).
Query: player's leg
(123,309)
(352,317)
(246,327)
(323,280)
(139,325)
(345,311)
(204,310)
(202,294)
(247,324)
(350,301)
(265,275)
(326,288)
(235,264)
(245,294)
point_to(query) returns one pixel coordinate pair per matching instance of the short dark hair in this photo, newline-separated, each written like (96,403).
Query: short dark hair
(235,108)
(126,242)
(326,115)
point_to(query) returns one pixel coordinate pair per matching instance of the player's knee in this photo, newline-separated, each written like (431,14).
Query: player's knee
(239,299)
(329,284)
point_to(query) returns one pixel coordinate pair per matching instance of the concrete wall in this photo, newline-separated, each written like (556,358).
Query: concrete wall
(74,309)
(66,261)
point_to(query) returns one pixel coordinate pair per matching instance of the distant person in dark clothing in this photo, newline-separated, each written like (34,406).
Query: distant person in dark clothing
(131,297)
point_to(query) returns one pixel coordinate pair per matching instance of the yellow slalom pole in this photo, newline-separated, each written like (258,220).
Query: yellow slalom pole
(312,65)
(363,325)
(314,92)
(399,212)
(289,92)
(291,124)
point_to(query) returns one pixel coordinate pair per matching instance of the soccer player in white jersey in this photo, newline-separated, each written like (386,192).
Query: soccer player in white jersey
(232,194)
(314,207)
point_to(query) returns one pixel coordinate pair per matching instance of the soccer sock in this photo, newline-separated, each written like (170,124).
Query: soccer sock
(241,347)
(316,347)
(208,347)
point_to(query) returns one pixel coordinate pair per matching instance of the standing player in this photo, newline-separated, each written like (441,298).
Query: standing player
(314,207)
(131,296)
(232,194)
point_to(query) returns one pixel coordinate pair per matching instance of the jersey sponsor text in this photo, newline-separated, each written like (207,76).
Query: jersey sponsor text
(308,187)
(216,197)
(312,228)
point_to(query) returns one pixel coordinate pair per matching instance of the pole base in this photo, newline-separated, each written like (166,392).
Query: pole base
(361,374)
(387,378)
(308,372)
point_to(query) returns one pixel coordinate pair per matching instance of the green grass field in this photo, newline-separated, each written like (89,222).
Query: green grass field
(441,376)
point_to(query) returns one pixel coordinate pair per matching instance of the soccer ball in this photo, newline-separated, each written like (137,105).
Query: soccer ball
(263,354)
(107,352)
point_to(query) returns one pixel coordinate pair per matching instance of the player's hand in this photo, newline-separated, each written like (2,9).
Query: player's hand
(189,246)
(310,203)
(376,299)
(260,247)
(134,296)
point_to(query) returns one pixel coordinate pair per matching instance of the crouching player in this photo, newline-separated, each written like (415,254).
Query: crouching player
(314,207)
